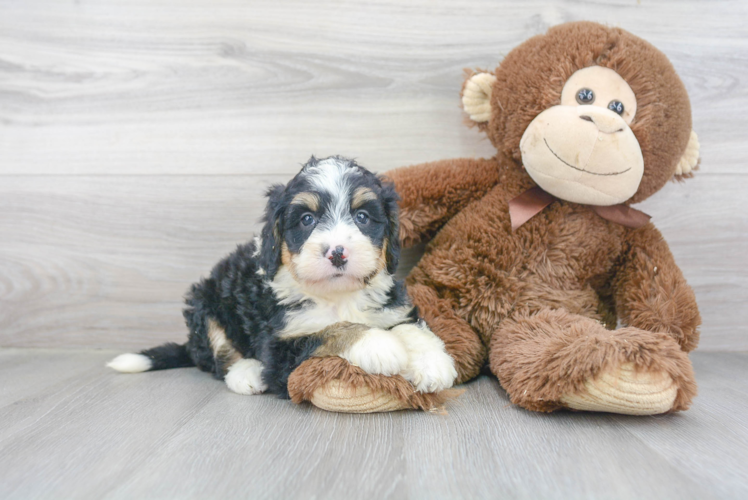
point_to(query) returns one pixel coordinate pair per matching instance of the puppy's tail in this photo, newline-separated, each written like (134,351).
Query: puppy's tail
(169,355)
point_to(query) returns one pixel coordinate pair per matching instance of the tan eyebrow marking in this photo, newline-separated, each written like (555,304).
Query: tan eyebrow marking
(309,200)
(361,196)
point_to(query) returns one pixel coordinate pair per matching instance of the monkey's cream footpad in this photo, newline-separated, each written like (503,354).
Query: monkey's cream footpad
(333,384)
(626,390)
(341,397)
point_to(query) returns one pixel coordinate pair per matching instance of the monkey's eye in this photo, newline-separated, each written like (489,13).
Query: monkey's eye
(362,218)
(585,96)
(307,220)
(616,106)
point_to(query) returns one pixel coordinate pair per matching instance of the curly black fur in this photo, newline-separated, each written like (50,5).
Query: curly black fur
(238,295)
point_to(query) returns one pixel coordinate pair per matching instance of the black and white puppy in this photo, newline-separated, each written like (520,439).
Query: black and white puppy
(318,282)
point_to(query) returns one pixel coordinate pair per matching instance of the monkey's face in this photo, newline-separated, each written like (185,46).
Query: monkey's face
(583,150)
(594,114)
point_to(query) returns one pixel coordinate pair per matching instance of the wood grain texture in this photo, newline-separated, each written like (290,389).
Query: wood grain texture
(93,261)
(223,86)
(106,260)
(90,433)
(135,138)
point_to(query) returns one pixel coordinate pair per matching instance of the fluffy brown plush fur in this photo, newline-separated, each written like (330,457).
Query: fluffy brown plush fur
(532,75)
(541,304)
(315,373)
(536,299)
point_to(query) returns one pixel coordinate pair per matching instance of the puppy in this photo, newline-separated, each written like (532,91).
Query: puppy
(318,282)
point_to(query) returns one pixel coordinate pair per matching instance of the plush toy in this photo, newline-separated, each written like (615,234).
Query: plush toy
(537,265)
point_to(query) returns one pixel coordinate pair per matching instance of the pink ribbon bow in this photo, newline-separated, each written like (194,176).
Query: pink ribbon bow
(525,206)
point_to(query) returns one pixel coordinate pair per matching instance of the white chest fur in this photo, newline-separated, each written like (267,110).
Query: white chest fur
(318,312)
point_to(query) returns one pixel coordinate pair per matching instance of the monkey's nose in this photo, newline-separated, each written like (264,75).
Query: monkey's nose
(607,121)
(338,256)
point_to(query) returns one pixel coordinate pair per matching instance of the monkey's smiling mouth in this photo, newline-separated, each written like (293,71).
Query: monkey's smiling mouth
(581,169)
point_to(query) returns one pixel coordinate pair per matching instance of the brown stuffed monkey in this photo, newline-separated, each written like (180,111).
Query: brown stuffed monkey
(536,265)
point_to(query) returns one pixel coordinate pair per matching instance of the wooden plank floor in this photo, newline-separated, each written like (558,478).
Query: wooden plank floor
(73,429)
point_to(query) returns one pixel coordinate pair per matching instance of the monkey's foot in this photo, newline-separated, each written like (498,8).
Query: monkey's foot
(339,396)
(332,384)
(625,390)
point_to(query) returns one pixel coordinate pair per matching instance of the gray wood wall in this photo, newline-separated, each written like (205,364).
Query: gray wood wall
(136,138)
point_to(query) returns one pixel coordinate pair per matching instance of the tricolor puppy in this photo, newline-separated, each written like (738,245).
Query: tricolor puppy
(317,283)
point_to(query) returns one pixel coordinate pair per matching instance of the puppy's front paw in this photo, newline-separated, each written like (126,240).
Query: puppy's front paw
(431,371)
(430,368)
(378,352)
(245,377)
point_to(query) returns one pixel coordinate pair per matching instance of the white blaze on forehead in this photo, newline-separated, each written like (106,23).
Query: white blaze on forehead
(333,176)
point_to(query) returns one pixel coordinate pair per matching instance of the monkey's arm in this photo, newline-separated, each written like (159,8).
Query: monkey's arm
(650,291)
(432,193)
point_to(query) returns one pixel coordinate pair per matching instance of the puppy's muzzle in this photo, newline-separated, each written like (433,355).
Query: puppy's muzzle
(338,256)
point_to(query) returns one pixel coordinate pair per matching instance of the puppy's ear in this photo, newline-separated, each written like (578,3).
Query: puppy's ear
(270,251)
(390,199)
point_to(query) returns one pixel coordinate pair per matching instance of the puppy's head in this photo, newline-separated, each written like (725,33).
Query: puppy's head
(334,226)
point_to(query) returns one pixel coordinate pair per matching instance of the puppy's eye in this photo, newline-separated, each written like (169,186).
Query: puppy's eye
(307,220)
(616,106)
(362,218)
(585,96)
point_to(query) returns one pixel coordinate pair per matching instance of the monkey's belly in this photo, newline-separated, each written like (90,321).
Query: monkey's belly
(556,260)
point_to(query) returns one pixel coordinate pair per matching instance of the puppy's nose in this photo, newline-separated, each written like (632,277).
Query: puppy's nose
(338,256)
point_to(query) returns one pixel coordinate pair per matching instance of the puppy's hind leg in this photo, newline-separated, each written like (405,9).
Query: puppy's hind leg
(242,375)
(245,377)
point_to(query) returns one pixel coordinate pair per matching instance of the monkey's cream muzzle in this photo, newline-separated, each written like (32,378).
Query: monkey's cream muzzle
(584,154)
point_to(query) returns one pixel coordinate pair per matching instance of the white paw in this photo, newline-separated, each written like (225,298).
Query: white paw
(431,371)
(378,352)
(131,363)
(430,368)
(245,377)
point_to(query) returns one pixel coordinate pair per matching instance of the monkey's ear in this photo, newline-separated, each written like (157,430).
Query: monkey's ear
(270,250)
(689,160)
(476,96)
